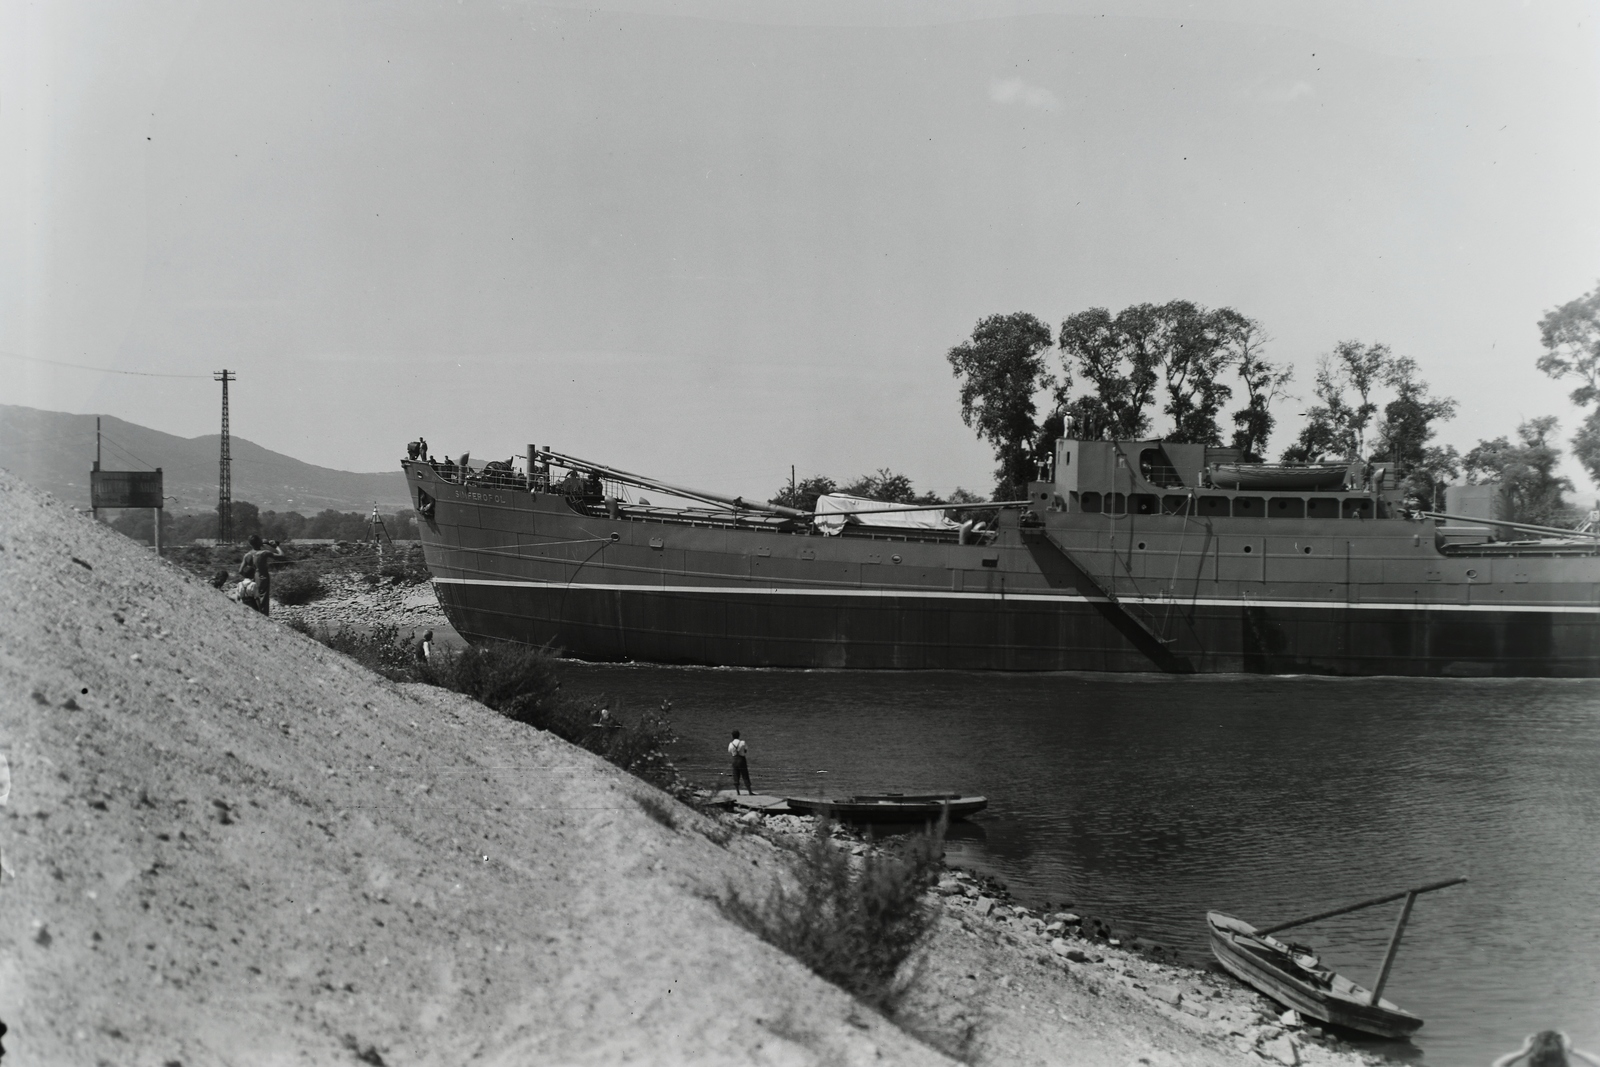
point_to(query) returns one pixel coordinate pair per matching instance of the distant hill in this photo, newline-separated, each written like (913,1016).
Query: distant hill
(54,451)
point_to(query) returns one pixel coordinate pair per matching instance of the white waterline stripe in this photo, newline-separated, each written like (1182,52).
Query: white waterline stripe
(928,594)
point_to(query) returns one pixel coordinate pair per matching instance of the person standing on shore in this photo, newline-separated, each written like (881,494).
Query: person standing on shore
(739,752)
(259,561)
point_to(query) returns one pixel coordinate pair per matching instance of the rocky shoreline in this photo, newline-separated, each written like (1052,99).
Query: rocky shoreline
(1058,957)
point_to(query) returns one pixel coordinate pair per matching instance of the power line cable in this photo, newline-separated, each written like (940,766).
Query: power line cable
(101,370)
(125,450)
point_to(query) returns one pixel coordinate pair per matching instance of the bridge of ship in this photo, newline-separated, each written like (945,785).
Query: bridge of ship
(1144,517)
(1162,478)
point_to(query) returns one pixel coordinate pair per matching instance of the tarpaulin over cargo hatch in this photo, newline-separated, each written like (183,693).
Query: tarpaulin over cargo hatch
(833,508)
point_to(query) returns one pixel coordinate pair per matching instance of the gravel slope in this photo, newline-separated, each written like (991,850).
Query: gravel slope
(225,844)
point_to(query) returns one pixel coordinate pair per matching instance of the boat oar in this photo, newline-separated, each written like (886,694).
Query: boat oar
(1357,907)
(1394,938)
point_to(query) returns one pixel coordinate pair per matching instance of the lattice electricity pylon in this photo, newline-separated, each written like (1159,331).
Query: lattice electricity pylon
(225,467)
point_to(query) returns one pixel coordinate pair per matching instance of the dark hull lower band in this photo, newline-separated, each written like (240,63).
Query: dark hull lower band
(918,633)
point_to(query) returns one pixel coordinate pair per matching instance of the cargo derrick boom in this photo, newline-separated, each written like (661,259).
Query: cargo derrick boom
(1126,557)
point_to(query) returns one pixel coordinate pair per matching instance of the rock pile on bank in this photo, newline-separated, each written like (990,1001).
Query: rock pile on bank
(358,600)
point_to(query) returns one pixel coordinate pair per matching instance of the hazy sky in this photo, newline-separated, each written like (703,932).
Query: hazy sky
(709,240)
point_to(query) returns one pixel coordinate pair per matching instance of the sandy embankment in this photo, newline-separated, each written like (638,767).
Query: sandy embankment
(225,843)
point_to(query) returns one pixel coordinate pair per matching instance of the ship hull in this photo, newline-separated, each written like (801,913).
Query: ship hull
(1155,594)
(718,627)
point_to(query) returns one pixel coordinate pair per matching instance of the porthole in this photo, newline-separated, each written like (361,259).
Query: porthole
(895,558)
(1141,546)
(1472,574)
(1249,549)
(1306,550)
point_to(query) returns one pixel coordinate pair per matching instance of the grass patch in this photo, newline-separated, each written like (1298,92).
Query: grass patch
(522,682)
(380,649)
(855,924)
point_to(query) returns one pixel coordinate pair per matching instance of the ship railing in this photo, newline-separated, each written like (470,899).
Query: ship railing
(542,481)
(495,476)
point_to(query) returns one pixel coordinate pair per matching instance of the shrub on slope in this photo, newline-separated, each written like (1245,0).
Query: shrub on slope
(854,923)
(297,585)
(522,683)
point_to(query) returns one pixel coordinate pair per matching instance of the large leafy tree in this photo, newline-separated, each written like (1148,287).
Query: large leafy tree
(1525,471)
(1195,352)
(1264,382)
(1339,423)
(1407,422)
(1119,356)
(1179,348)
(1001,368)
(1571,337)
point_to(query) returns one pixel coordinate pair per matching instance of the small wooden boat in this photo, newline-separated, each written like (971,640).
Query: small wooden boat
(1281,477)
(890,807)
(1295,978)
(1292,975)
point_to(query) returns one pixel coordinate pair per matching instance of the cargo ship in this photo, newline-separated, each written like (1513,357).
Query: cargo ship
(1124,556)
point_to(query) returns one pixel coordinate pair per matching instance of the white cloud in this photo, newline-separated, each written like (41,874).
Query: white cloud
(1015,91)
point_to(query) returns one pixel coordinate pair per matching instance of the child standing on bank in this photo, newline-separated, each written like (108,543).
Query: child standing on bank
(738,751)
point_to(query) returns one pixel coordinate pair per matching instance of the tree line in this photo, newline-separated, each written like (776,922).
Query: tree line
(884,485)
(248,519)
(1116,371)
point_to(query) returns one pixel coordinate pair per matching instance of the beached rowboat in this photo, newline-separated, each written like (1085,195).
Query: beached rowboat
(1296,978)
(890,807)
(1292,974)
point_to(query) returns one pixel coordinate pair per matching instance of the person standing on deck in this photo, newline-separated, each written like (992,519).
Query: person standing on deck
(738,751)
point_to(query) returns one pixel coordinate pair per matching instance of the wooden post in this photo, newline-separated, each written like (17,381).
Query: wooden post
(157,513)
(94,511)
(1394,946)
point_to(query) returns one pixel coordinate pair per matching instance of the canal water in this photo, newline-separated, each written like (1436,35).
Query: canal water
(1150,800)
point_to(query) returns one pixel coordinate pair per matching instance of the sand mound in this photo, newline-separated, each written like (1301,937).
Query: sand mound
(224,843)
